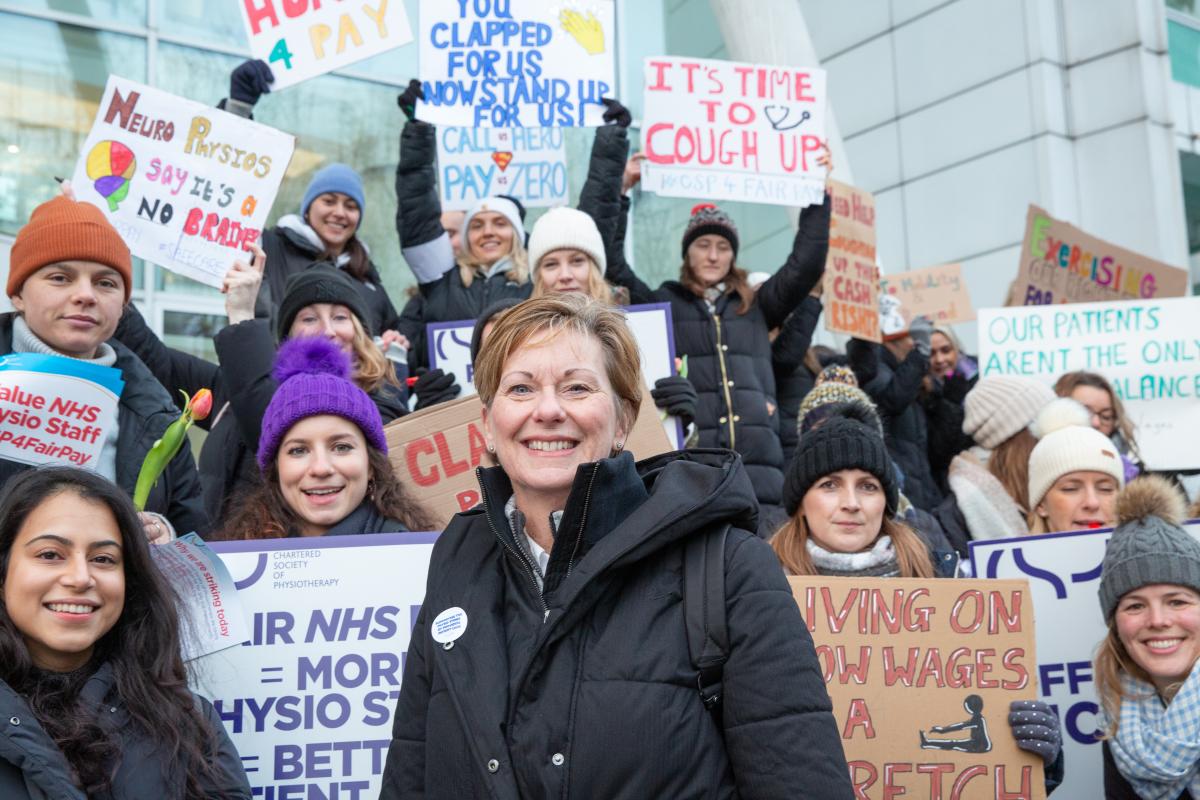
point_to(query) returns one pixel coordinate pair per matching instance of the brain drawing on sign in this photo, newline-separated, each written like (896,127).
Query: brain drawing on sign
(111,165)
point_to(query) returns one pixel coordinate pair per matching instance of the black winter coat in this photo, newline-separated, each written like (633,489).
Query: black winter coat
(366,519)
(895,388)
(587,689)
(793,380)
(242,388)
(143,414)
(729,355)
(33,768)
(289,251)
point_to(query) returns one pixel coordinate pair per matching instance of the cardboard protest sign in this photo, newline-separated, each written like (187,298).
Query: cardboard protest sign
(733,131)
(529,164)
(435,451)
(921,673)
(300,40)
(516,63)
(851,289)
(650,323)
(1063,570)
(212,618)
(1147,349)
(188,186)
(939,293)
(1062,264)
(56,410)
(309,699)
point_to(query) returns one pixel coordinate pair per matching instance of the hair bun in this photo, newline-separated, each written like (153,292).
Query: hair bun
(1151,496)
(1062,412)
(310,356)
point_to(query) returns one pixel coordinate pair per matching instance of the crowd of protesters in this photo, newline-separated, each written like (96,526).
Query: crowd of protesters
(881,460)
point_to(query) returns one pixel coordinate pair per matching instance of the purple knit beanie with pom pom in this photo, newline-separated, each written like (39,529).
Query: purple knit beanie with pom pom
(314,379)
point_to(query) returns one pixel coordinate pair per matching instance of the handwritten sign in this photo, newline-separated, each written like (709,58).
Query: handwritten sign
(733,131)
(1063,570)
(308,700)
(529,164)
(56,410)
(921,674)
(1062,264)
(516,63)
(851,288)
(650,324)
(213,617)
(1147,349)
(187,186)
(300,40)
(939,293)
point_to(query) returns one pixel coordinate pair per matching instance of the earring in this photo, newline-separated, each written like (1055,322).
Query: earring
(371,489)
(618,445)
(491,447)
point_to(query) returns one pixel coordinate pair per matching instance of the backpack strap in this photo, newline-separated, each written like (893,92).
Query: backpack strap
(704,613)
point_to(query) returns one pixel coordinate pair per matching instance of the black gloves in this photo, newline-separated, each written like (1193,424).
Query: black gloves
(677,397)
(1035,727)
(434,386)
(615,113)
(249,81)
(409,97)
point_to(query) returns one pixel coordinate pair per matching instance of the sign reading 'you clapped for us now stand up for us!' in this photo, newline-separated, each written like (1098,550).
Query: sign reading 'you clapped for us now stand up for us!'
(186,185)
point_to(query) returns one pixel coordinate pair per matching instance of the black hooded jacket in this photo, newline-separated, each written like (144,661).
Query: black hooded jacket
(586,689)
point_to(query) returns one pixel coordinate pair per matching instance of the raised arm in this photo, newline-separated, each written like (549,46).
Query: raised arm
(423,241)
(805,266)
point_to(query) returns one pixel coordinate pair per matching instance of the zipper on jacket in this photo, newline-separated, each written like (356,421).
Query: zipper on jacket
(725,384)
(587,501)
(524,559)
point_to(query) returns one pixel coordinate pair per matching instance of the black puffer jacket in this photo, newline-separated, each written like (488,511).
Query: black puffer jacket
(793,380)
(143,414)
(587,689)
(729,355)
(895,388)
(242,388)
(33,768)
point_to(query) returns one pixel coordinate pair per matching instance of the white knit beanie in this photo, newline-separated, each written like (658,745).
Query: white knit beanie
(499,205)
(1068,443)
(1001,406)
(566,229)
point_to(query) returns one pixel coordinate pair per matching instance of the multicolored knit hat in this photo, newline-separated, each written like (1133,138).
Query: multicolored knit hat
(314,379)
(817,404)
(844,441)
(706,219)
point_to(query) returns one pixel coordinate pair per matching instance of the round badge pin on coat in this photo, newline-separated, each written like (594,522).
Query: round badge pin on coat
(449,625)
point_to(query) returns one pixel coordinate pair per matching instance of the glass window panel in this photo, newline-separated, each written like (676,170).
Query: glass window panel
(1183,46)
(130,12)
(205,22)
(192,333)
(51,78)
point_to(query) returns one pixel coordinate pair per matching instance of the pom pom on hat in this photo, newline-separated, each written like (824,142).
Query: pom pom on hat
(310,356)
(1062,412)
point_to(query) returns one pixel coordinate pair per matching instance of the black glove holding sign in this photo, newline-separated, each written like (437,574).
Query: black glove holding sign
(677,397)
(434,386)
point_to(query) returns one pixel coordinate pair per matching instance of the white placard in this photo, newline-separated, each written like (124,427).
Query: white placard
(302,40)
(308,701)
(1149,349)
(722,130)
(1063,570)
(529,164)
(56,410)
(187,186)
(214,618)
(516,63)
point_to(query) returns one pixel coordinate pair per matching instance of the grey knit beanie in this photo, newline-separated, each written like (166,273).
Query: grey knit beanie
(1149,545)
(1001,406)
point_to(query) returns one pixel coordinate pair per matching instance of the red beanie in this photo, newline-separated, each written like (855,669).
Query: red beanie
(64,230)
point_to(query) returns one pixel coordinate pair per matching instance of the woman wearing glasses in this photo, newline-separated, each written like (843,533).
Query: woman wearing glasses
(1107,414)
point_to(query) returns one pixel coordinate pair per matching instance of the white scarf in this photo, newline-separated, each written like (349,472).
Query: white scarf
(985,505)
(1157,747)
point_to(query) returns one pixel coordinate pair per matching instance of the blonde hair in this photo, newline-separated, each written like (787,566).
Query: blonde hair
(557,313)
(468,265)
(1009,464)
(790,543)
(371,368)
(1111,660)
(597,288)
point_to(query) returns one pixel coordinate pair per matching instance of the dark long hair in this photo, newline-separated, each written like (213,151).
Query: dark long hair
(262,513)
(359,264)
(142,647)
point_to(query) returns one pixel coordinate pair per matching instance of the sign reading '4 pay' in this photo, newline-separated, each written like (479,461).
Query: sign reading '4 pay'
(300,39)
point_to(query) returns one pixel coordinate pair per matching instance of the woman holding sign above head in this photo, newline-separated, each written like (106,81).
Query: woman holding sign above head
(69,278)
(1146,666)
(322,456)
(550,657)
(92,688)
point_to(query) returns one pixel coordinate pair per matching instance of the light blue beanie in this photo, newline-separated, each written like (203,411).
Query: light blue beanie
(335,178)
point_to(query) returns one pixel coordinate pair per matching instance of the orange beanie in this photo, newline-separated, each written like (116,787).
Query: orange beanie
(64,230)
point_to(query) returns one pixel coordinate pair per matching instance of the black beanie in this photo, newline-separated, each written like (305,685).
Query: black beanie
(708,219)
(483,319)
(320,282)
(839,443)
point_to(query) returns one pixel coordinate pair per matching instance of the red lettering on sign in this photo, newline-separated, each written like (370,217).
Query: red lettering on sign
(414,449)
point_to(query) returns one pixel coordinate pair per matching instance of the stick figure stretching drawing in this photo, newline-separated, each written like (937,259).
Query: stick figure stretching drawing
(978,740)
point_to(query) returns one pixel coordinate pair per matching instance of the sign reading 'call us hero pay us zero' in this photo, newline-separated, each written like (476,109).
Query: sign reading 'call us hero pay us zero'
(300,40)
(187,186)
(731,131)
